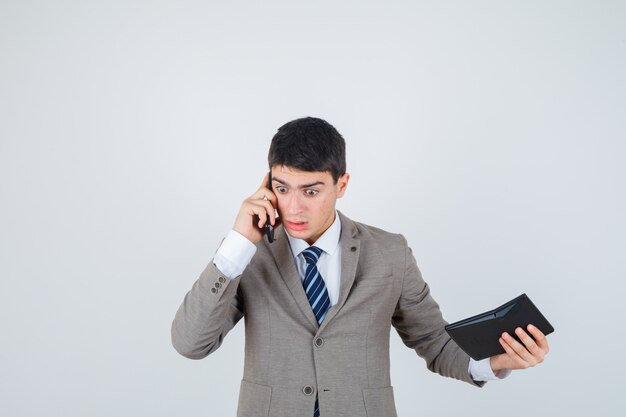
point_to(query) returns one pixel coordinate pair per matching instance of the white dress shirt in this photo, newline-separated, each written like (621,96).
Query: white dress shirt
(329,263)
(236,252)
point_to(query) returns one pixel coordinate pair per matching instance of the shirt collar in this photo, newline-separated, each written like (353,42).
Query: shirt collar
(328,242)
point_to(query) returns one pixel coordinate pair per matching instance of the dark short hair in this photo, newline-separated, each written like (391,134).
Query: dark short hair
(309,144)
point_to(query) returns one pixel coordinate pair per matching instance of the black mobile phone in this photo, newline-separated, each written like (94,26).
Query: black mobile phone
(269,229)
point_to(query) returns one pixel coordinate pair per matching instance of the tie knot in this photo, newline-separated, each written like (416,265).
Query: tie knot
(312,254)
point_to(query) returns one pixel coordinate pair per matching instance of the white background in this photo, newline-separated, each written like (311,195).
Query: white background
(491,134)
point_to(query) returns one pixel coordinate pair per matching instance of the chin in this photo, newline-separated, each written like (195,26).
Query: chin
(300,234)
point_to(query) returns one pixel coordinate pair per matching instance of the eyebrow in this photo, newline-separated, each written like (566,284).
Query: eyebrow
(301,186)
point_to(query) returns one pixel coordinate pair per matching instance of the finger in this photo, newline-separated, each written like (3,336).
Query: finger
(513,356)
(269,210)
(265,179)
(264,193)
(265,186)
(259,211)
(257,208)
(520,349)
(530,344)
(540,338)
(263,209)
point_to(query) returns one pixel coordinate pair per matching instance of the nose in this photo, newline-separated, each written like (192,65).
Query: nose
(293,204)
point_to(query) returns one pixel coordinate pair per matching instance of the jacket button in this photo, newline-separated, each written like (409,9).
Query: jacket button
(214,290)
(307,390)
(222,279)
(319,342)
(218,285)
(353,248)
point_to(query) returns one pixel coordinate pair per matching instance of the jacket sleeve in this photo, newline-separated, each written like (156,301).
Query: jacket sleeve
(209,310)
(418,321)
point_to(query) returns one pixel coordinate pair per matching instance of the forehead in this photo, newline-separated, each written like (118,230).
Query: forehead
(293,176)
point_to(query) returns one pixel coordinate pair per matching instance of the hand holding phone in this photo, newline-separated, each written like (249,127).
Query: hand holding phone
(269,229)
(257,215)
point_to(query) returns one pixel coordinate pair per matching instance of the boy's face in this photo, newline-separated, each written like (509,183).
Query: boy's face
(306,200)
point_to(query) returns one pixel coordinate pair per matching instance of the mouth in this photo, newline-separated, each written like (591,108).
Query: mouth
(296,225)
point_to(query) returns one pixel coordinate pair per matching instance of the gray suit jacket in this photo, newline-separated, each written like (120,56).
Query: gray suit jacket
(289,359)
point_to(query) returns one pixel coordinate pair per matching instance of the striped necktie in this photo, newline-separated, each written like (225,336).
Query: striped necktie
(316,292)
(314,285)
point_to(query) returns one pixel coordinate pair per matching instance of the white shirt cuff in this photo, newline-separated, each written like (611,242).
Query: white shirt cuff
(481,371)
(234,254)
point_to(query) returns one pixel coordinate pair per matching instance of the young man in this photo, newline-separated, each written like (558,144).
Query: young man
(319,301)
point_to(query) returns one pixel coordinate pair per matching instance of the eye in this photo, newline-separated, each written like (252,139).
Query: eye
(281,189)
(311,192)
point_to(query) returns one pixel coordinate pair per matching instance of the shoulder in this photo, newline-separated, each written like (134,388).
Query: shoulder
(367,233)
(377,245)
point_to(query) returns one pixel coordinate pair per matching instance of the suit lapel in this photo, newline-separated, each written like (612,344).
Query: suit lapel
(350,249)
(283,257)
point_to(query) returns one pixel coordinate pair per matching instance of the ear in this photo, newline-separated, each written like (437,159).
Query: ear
(342,184)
